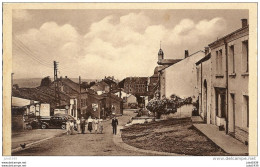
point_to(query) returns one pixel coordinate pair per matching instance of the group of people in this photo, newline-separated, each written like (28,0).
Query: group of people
(91,124)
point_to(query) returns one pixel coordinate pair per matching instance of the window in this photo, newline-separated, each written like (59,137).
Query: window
(220,62)
(217,62)
(219,69)
(232,59)
(245,67)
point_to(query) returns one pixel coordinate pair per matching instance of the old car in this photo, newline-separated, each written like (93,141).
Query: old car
(56,121)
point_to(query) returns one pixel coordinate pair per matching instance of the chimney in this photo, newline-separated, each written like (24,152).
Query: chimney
(206,51)
(244,22)
(186,53)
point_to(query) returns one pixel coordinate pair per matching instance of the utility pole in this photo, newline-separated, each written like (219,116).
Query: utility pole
(57,95)
(80,96)
(110,107)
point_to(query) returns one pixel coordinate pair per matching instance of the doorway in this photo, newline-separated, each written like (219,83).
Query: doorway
(205,92)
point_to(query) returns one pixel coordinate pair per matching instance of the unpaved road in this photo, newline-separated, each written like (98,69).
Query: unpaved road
(82,144)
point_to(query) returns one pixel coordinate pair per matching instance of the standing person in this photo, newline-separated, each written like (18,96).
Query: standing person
(100,124)
(82,125)
(114,125)
(68,127)
(71,127)
(90,120)
(78,125)
(95,125)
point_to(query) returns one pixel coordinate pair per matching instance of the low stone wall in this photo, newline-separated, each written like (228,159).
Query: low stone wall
(184,111)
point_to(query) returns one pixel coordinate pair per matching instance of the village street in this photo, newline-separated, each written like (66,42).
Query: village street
(83,144)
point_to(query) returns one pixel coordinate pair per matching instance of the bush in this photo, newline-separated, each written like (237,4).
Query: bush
(167,106)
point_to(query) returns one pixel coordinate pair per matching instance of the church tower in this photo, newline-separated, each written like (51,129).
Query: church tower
(160,54)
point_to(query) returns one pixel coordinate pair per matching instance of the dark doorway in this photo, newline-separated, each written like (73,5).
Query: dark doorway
(205,100)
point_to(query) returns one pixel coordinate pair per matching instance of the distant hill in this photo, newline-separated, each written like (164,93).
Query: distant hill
(35,82)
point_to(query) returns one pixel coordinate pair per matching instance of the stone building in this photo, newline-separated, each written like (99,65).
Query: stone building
(179,78)
(115,102)
(136,85)
(153,83)
(222,83)
(203,86)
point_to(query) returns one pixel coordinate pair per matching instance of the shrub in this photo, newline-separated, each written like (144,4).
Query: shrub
(167,106)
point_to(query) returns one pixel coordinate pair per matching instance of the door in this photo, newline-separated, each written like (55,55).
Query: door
(223,105)
(205,101)
(232,113)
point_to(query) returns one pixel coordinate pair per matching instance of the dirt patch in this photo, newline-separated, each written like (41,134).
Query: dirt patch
(174,136)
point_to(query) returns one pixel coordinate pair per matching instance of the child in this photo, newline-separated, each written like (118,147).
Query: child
(71,127)
(68,127)
(100,126)
(78,125)
(95,125)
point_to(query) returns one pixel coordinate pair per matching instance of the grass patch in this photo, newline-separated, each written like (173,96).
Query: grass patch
(173,135)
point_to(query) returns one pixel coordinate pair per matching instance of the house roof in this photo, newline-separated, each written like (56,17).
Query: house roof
(131,95)
(20,102)
(228,35)
(99,97)
(73,85)
(43,94)
(168,61)
(100,86)
(204,59)
(136,80)
(163,67)
(112,96)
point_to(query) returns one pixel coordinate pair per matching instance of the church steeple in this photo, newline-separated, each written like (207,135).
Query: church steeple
(160,53)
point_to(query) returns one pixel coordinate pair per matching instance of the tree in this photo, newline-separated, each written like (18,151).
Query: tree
(84,85)
(46,81)
(91,83)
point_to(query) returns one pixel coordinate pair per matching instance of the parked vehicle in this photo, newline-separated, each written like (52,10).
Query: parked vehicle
(133,105)
(57,121)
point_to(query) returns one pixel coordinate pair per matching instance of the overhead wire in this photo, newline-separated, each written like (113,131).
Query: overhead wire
(28,55)
(28,52)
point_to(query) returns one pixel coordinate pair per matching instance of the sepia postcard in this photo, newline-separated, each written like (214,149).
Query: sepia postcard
(130,79)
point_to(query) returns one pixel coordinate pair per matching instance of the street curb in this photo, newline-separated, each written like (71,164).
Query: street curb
(36,142)
(117,139)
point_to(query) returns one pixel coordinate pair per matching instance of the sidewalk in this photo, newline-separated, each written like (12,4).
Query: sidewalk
(30,137)
(197,119)
(227,143)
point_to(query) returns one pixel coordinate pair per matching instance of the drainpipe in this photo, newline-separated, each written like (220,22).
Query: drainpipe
(201,90)
(226,49)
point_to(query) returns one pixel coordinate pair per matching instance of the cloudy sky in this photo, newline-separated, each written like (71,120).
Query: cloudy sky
(97,43)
